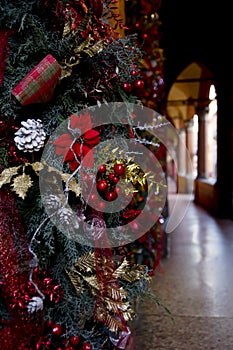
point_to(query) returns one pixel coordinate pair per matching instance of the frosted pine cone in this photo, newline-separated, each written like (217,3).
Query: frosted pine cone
(53,202)
(68,218)
(31,136)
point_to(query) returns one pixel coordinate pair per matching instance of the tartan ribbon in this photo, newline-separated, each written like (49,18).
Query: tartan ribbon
(39,84)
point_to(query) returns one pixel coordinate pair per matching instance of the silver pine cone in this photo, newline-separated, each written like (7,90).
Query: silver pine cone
(35,305)
(31,136)
(68,218)
(53,202)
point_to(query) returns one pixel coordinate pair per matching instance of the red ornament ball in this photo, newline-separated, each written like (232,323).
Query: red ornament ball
(127,87)
(134,73)
(102,185)
(119,169)
(102,168)
(115,180)
(57,330)
(75,340)
(87,346)
(139,84)
(111,196)
(111,176)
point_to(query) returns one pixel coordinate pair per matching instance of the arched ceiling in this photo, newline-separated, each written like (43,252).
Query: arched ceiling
(189,92)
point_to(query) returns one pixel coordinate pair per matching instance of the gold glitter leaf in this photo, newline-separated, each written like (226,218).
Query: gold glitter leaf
(7,174)
(21,184)
(75,280)
(73,185)
(96,48)
(37,166)
(87,262)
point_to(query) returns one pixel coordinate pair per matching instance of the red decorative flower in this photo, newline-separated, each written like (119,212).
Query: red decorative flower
(86,139)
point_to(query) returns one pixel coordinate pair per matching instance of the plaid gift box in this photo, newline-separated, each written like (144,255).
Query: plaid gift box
(39,84)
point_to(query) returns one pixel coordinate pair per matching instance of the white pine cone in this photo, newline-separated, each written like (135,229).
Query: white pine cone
(31,136)
(53,202)
(68,218)
(35,305)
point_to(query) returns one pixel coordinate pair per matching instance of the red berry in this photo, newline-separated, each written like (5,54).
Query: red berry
(134,73)
(87,346)
(69,347)
(101,205)
(102,185)
(74,340)
(57,330)
(111,196)
(119,169)
(50,323)
(102,168)
(115,179)
(127,87)
(139,84)
(111,176)
(93,197)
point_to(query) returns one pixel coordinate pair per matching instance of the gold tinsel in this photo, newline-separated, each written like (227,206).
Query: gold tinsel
(114,301)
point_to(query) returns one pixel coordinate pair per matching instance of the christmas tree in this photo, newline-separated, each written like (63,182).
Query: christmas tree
(67,277)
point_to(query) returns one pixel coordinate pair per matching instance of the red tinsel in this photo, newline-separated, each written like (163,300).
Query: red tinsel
(22,328)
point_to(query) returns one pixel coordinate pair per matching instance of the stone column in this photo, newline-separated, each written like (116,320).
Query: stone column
(202,152)
(181,153)
(189,130)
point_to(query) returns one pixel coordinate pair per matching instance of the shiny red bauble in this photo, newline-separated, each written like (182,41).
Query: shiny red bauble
(111,176)
(111,196)
(127,87)
(119,169)
(139,84)
(57,330)
(102,185)
(87,346)
(75,340)
(134,73)
(115,180)
(102,168)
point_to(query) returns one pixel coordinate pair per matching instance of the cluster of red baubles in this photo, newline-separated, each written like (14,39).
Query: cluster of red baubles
(106,181)
(74,342)
(137,85)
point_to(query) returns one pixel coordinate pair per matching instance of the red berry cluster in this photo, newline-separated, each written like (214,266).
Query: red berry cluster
(137,85)
(73,343)
(107,180)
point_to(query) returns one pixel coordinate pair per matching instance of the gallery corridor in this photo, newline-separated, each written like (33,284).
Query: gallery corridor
(195,282)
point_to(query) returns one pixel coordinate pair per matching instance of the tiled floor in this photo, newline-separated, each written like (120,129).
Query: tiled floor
(196,284)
